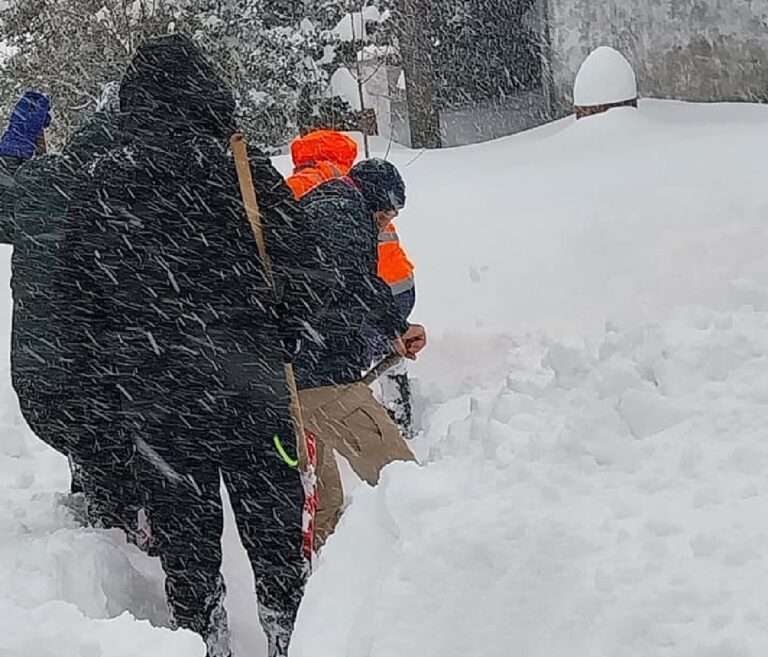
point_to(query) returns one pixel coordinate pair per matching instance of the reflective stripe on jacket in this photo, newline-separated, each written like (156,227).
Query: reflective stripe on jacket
(394,266)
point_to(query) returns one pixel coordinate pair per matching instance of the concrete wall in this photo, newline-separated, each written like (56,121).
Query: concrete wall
(704,50)
(470,125)
(489,120)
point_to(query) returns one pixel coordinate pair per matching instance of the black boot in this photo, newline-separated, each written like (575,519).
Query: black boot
(278,626)
(211,623)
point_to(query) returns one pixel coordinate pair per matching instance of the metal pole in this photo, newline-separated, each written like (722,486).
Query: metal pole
(359,71)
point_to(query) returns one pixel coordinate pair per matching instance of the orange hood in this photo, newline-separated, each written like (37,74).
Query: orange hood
(324,146)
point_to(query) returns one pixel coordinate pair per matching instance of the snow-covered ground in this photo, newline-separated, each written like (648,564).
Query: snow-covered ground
(594,404)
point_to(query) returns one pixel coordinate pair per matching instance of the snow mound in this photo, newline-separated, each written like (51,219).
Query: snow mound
(56,629)
(604,78)
(66,591)
(622,218)
(594,400)
(546,524)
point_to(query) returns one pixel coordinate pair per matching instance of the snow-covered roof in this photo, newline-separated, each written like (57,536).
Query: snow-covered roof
(353,26)
(6,51)
(344,84)
(374,52)
(605,77)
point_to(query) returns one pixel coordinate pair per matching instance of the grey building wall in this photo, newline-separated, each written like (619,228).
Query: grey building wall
(490,120)
(703,50)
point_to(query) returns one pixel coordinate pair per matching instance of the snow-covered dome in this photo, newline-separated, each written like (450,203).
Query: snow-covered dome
(605,77)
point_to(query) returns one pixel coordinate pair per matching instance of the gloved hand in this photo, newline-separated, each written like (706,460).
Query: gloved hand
(410,343)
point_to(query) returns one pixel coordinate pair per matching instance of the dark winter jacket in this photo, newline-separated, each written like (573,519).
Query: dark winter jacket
(406,302)
(9,165)
(379,346)
(164,284)
(30,116)
(338,350)
(33,217)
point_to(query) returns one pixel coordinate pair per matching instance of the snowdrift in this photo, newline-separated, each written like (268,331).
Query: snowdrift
(594,478)
(624,216)
(609,501)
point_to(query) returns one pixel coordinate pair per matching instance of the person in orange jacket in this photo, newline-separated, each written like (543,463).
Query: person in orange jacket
(323,155)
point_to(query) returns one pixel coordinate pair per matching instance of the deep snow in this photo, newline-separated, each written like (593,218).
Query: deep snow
(586,491)
(608,500)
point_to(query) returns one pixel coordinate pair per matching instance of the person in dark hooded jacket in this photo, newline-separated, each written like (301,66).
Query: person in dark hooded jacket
(33,215)
(394,388)
(170,307)
(347,214)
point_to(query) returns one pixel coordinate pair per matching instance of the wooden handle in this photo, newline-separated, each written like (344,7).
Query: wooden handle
(248,192)
(252,211)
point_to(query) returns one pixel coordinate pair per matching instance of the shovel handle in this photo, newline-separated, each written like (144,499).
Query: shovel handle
(380,368)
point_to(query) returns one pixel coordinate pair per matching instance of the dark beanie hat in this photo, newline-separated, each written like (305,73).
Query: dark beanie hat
(381,184)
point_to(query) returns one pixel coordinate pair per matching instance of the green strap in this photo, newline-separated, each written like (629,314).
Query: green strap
(293,463)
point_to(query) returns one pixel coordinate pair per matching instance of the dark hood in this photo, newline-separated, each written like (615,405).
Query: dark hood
(170,88)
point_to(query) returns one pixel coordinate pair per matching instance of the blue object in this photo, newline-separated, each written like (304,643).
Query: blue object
(30,116)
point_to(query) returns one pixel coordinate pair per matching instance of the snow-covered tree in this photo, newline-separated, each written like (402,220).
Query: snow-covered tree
(327,13)
(484,49)
(70,48)
(270,64)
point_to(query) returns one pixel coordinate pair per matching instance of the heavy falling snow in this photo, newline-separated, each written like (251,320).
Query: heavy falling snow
(593,407)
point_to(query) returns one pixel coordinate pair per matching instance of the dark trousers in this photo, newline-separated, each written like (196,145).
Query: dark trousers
(182,451)
(83,425)
(107,479)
